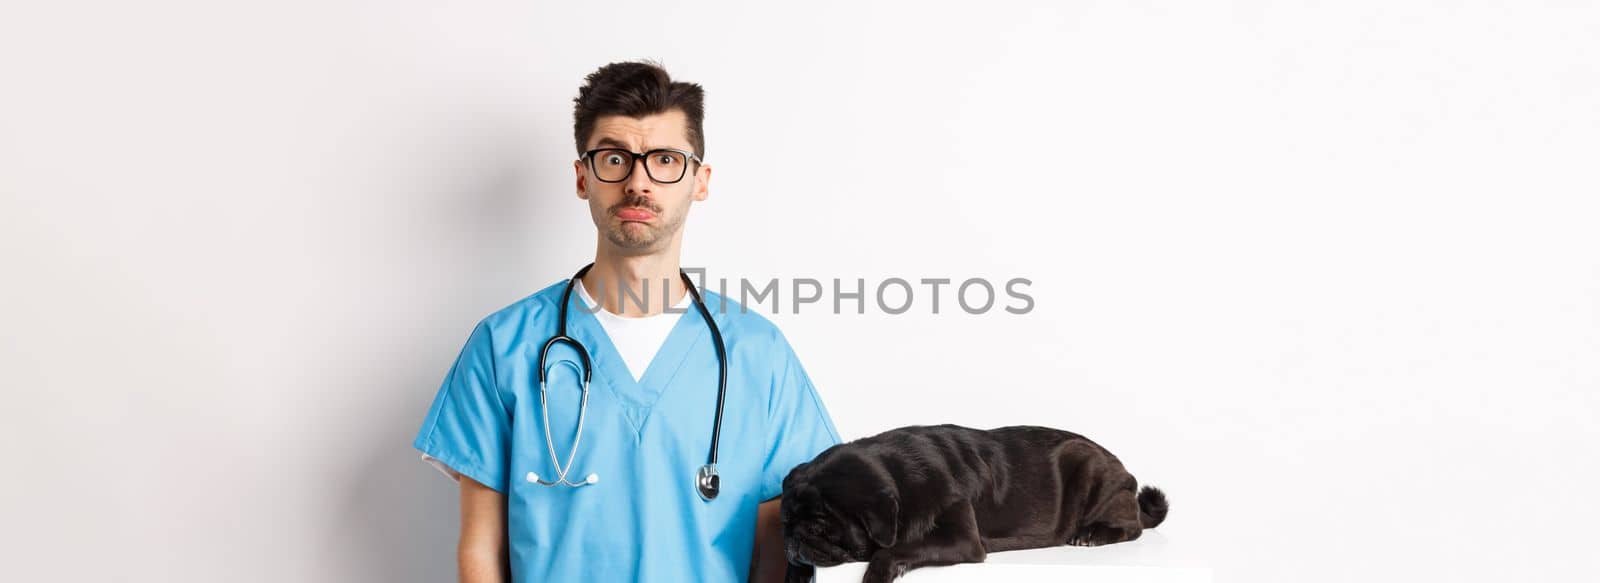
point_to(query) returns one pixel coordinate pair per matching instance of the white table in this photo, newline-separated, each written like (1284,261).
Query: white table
(1151,559)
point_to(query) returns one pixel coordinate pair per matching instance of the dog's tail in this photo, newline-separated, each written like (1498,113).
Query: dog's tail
(1152,507)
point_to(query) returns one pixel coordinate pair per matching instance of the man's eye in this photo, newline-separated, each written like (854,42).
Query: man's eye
(614,160)
(666,159)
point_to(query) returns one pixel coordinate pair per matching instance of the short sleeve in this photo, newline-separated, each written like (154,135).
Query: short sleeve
(467,428)
(799,427)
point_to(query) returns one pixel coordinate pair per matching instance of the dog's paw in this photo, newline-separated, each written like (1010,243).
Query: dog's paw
(883,575)
(1098,534)
(882,569)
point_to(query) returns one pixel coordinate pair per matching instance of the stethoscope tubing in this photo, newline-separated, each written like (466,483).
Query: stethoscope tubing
(707,481)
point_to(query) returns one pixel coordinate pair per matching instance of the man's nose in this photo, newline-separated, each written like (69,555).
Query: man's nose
(639,180)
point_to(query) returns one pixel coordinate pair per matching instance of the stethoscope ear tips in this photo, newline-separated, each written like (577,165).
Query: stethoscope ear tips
(592,479)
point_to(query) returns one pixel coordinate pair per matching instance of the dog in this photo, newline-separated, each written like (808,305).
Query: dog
(946,494)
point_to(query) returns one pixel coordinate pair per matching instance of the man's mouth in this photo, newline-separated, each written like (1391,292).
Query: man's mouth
(635,214)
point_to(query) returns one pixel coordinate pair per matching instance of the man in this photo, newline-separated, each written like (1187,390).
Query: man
(649,412)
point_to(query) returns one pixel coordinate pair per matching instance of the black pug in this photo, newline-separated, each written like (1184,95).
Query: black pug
(946,494)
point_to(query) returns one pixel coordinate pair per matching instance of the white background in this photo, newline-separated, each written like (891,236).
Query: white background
(1326,272)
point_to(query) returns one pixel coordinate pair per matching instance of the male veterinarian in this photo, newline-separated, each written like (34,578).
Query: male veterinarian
(610,478)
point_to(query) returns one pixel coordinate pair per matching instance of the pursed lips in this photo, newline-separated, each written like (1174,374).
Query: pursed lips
(635,214)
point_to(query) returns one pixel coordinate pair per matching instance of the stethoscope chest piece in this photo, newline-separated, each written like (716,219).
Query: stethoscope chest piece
(707,482)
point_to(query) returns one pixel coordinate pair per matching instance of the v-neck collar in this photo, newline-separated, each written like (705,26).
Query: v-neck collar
(655,328)
(636,398)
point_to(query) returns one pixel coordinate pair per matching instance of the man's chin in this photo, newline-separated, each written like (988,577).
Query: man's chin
(639,237)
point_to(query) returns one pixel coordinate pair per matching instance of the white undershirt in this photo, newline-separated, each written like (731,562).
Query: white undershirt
(637,339)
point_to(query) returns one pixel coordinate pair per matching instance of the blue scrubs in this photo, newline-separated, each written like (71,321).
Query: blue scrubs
(645,439)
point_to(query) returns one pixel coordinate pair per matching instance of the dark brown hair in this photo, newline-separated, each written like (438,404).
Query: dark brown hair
(637,89)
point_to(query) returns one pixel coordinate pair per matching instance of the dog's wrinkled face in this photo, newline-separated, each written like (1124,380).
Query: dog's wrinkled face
(825,524)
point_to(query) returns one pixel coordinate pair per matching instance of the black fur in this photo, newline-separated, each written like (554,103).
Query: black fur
(1152,507)
(946,494)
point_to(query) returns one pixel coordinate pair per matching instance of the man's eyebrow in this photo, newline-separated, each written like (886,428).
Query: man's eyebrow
(609,142)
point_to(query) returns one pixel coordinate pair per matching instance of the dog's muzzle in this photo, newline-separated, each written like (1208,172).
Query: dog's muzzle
(791,551)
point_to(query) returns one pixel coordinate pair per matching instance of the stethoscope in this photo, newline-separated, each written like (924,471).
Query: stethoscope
(707,483)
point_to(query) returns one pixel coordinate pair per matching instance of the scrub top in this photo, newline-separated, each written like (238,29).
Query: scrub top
(643,520)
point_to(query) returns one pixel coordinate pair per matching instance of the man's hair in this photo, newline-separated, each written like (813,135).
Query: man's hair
(637,89)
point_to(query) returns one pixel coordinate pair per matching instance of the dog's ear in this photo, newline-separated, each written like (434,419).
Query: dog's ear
(881,519)
(788,479)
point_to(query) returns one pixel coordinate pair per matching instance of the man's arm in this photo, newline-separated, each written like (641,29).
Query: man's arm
(482,552)
(767,561)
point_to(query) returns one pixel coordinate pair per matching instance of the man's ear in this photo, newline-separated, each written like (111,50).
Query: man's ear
(702,183)
(583,190)
(883,518)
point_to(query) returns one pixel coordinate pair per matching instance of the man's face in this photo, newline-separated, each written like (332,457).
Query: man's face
(639,215)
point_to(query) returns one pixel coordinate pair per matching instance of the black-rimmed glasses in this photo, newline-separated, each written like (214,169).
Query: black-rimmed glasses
(664,165)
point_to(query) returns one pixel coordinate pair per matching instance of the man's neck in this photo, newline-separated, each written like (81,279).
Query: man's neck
(641,280)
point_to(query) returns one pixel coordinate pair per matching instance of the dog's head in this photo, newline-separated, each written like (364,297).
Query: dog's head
(835,513)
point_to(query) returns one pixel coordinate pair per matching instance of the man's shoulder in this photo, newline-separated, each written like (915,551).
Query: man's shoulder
(739,321)
(527,310)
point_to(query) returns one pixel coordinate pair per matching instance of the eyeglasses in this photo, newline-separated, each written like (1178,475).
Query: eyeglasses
(664,165)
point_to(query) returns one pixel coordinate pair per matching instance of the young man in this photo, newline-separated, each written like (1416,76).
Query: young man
(630,503)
